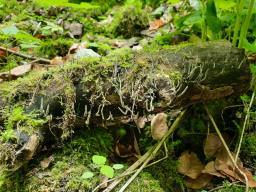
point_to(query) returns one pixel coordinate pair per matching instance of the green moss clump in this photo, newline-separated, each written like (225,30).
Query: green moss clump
(51,48)
(129,22)
(248,148)
(70,163)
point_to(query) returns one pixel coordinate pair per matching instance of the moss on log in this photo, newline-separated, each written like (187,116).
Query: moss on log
(112,90)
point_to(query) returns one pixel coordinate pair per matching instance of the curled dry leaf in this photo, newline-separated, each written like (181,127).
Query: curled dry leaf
(159,126)
(57,61)
(211,170)
(212,145)
(190,165)
(140,121)
(46,162)
(199,182)
(156,24)
(225,166)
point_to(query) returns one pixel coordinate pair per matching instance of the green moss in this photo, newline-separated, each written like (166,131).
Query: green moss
(227,187)
(144,182)
(70,163)
(51,48)
(129,21)
(248,148)
(48,3)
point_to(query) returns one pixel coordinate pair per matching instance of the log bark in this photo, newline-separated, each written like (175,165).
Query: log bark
(121,88)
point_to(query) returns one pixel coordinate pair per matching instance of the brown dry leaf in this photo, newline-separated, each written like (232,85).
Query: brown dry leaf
(46,162)
(140,121)
(57,61)
(190,165)
(159,126)
(212,145)
(211,170)
(76,46)
(21,70)
(156,24)
(103,182)
(199,182)
(225,166)
(2,54)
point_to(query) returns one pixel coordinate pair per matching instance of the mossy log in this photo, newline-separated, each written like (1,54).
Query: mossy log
(115,89)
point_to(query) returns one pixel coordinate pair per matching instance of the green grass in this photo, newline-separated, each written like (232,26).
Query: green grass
(65,3)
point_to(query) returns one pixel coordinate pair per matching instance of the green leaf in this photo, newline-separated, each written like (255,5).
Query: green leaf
(99,160)
(87,175)
(10,30)
(107,171)
(225,5)
(195,4)
(212,20)
(173,1)
(193,18)
(118,166)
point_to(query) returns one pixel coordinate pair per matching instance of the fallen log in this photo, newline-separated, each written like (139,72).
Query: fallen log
(115,89)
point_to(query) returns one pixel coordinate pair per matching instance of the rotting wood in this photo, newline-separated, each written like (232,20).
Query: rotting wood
(106,93)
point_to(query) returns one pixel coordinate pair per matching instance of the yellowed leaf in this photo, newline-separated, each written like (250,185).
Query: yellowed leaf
(199,182)
(212,145)
(211,170)
(225,166)
(190,165)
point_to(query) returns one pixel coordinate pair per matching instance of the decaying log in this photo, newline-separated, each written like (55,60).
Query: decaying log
(121,88)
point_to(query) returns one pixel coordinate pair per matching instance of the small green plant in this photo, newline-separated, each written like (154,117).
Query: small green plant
(100,163)
(18,119)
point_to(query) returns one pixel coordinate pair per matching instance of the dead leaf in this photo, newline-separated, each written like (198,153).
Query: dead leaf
(103,182)
(21,70)
(76,46)
(225,166)
(46,162)
(159,126)
(212,145)
(156,24)
(57,61)
(199,182)
(211,170)
(190,165)
(140,121)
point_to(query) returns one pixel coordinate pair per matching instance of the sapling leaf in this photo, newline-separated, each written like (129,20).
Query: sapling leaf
(99,160)
(118,166)
(107,171)
(87,175)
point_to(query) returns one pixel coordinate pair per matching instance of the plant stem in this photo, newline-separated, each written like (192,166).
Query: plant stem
(156,149)
(204,25)
(239,9)
(244,125)
(227,148)
(246,24)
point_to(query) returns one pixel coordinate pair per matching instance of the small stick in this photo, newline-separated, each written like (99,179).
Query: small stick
(227,149)
(156,149)
(23,55)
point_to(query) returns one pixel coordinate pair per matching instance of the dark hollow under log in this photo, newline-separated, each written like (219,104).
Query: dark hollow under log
(120,88)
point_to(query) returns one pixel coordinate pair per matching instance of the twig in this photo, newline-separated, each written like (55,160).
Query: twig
(147,155)
(128,173)
(156,149)
(25,55)
(131,168)
(226,148)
